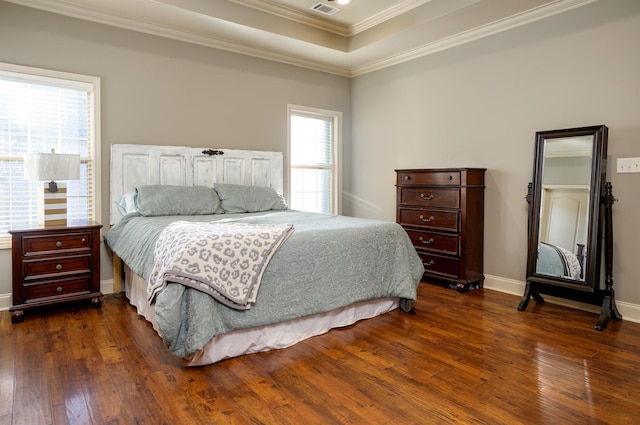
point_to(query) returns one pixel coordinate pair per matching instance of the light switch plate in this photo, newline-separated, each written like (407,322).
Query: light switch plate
(628,165)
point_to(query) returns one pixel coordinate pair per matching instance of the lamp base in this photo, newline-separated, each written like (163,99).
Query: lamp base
(52,206)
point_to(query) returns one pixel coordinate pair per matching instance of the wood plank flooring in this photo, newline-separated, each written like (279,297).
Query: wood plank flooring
(462,358)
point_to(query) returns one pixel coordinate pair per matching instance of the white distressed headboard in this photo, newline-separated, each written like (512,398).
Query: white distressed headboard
(137,165)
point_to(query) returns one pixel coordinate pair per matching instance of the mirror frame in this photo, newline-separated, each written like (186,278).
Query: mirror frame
(589,289)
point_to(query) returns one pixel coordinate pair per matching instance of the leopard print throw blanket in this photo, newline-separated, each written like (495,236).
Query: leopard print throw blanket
(225,260)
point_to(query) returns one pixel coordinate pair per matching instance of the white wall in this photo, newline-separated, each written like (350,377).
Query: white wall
(479,105)
(159,91)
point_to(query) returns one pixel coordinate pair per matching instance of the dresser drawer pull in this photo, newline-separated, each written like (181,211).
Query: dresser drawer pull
(426,198)
(407,177)
(430,263)
(84,240)
(427,242)
(450,177)
(58,267)
(58,244)
(59,289)
(431,218)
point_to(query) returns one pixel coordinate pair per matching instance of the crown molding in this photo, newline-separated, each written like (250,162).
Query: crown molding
(377,19)
(320,59)
(295,16)
(496,27)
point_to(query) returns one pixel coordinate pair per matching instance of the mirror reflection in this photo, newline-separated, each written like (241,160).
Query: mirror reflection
(564,208)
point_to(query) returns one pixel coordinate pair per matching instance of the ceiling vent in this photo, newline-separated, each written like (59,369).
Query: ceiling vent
(325,9)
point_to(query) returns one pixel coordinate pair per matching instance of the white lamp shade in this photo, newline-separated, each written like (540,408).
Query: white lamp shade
(51,166)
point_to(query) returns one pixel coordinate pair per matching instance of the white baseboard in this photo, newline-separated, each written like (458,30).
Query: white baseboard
(5,301)
(630,312)
(106,287)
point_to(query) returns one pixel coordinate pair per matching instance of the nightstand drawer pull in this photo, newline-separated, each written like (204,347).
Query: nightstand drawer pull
(430,263)
(426,198)
(84,241)
(59,289)
(58,244)
(58,267)
(426,242)
(431,218)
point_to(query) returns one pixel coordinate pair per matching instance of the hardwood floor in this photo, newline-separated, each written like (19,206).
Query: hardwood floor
(463,358)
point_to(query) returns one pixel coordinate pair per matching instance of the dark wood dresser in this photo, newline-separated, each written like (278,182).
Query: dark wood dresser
(442,211)
(54,265)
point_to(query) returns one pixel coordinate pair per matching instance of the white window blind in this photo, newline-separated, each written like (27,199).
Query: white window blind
(313,157)
(42,110)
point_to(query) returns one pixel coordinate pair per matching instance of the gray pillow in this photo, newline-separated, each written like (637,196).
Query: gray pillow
(236,198)
(155,200)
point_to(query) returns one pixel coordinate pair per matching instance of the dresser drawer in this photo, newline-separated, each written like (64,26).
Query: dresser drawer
(440,178)
(437,242)
(58,288)
(36,268)
(441,266)
(433,219)
(430,197)
(56,243)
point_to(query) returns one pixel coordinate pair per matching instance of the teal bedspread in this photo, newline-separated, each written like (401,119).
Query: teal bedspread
(328,262)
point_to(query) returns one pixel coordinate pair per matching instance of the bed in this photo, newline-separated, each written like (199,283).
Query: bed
(326,271)
(556,261)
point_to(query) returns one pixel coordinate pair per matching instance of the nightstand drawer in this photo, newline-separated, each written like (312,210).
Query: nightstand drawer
(428,197)
(440,178)
(37,268)
(53,243)
(58,289)
(443,266)
(437,242)
(433,219)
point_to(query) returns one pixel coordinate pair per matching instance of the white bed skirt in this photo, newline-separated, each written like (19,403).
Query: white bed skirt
(263,338)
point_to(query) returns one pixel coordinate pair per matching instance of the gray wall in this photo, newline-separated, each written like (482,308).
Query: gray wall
(159,91)
(477,105)
(480,104)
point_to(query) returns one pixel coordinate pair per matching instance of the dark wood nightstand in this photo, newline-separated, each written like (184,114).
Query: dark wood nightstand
(54,265)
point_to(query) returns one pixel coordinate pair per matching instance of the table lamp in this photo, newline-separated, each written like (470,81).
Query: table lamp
(52,198)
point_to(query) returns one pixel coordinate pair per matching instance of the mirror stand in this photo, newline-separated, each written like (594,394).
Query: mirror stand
(609,308)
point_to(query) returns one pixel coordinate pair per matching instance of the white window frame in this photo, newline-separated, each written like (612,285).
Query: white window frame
(336,138)
(71,80)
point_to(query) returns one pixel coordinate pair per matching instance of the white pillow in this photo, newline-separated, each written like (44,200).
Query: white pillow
(126,203)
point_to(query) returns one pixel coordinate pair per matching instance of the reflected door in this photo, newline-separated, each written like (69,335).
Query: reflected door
(563,222)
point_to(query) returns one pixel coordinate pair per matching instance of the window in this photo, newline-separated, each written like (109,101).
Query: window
(42,110)
(314,136)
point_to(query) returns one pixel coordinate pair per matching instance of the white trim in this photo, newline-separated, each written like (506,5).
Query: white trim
(336,117)
(106,286)
(566,186)
(111,17)
(294,15)
(88,83)
(471,35)
(5,301)
(630,312)
(389,13)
